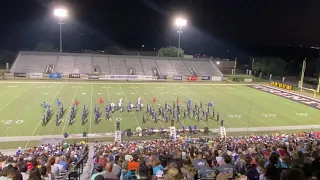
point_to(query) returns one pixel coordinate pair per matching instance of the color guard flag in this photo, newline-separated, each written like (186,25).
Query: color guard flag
(154,100)
(210,104)
(177,100)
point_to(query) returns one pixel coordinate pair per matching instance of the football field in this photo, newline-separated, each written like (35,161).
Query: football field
(238,105)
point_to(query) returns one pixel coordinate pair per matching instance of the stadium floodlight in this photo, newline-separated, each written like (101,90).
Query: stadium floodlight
(180,22)
(218,62)
(61,13)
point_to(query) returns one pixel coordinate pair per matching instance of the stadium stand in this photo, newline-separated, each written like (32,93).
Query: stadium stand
(274,157)
(203,67)
(111,65)
(65,64)
(101,65)
(135,65)
(165,67)
(180,67)
(83,64)
(32,62)
(255,157)
(148,65)
(118,66)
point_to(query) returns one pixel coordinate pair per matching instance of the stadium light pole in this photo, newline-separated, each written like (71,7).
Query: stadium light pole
(60,13)
(180,23)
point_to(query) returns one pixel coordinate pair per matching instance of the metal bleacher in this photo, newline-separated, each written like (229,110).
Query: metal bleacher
(65,64)
(147,65)
(103,64)
(28,62)
(83,64)
(118,66)
(203,67)
(135,64)
(165,67)
(180,67)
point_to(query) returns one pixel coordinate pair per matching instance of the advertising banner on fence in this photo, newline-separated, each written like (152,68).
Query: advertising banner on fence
(35,75)
(177,78)
(145,77)
(216,78)
(93,76)
(74,75)
(162,77)
(192,78)
(55,76)
(20,75)
(121,77)
(247,79)
(205,77)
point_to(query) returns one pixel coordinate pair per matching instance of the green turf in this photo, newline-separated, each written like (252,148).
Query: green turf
(239,106)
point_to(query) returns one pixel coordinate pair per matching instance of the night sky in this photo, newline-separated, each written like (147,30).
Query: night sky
(213,26)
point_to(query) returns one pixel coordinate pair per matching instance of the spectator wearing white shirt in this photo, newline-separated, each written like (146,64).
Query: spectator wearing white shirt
(56,168)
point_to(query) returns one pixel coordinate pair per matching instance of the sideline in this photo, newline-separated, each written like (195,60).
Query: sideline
(102,135)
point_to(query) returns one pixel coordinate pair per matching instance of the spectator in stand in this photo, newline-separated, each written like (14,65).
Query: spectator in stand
(273,168)
(159,175)
(133,164)
(56,168)
(226,168)
(109,173)
(98,171)
(35,174)
(293,174)
(173,174)
(63,163)
(23,169)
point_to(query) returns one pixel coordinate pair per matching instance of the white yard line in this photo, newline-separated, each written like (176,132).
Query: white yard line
(20,113)
(7,89)
(236,108)
(35,129)
(66,118)
(128,101)
(124,82)
(162,102)
(266,107)
(91,110)
(146,104)
(15,97)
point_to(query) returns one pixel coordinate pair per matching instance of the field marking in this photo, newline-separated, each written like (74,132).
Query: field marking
(132,93)
(104,83)
(74,95)
(83,93)
(236,108)
(146,104)
(35,129)
(128,101)
(7,89)
(182,122)
(34,97)
(15,97)
(145,93)
(272,110)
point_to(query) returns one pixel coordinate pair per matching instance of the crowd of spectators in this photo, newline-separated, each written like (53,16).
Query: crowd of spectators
(45,162)
(272,157)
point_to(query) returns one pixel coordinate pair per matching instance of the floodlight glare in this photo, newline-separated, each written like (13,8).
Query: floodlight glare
(60,12)
(218,62)
(181,22)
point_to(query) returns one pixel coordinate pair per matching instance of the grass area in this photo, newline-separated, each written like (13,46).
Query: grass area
(238,105)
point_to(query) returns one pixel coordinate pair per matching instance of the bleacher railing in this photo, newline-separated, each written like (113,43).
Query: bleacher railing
(76,171)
